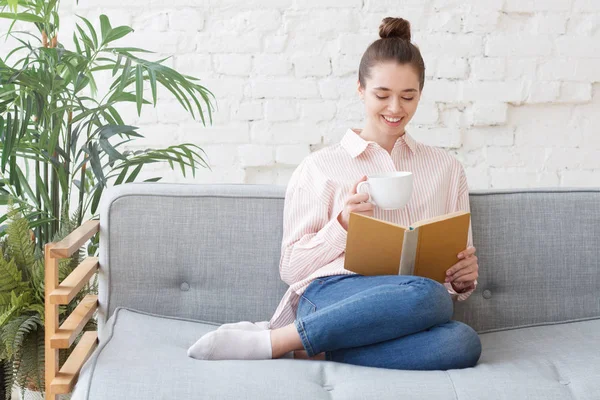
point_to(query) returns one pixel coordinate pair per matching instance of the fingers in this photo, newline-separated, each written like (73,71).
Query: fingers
(362,207)
(462,272)
(467,253)
(462,287)
(458,286)
(353,202)
(460,265)
(358,198)
(353,191)
(467,278)
(463,268)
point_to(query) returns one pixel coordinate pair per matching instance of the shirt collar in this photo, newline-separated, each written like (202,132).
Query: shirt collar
(356,145)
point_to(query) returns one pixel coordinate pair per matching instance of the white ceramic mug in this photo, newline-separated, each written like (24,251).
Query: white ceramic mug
(388,190)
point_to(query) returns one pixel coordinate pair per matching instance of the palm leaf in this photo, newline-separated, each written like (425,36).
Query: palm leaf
(22,17)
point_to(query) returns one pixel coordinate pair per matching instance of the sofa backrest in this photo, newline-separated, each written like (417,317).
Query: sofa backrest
(211,253)
(539,257)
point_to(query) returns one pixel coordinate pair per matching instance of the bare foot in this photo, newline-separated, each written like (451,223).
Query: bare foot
(284,340)
(287,339)
(302,355)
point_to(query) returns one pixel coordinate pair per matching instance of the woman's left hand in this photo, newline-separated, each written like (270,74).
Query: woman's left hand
(464,273)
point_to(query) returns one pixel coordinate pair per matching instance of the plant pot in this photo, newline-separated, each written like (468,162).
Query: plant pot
(31,394)
(19,393)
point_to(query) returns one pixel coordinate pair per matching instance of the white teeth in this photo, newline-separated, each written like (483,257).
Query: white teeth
(391,119)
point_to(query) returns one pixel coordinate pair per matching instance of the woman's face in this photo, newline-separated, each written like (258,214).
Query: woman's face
(391,97)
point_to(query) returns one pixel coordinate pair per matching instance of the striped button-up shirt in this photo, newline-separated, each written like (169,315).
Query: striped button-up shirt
(314,242)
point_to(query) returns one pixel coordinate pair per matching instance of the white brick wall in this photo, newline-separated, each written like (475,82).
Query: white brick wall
(512,90)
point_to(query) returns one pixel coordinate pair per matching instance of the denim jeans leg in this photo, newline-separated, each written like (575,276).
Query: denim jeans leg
(451,345)
(372,310)
(305,307)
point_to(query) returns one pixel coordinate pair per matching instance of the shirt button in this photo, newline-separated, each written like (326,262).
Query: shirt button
(487,294)
(185,287)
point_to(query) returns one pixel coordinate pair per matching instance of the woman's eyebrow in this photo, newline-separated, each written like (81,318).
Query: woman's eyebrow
(387,89)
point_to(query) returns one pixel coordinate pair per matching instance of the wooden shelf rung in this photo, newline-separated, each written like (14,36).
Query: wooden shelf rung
(74,240)
(68,331)
(66,378)
(72,284)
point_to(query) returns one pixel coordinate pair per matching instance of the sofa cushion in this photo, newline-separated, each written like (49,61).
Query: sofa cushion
(143,356)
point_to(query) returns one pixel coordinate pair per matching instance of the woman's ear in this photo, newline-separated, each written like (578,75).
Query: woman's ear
(360,90)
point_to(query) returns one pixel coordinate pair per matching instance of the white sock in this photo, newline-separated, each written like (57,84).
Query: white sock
(232,344)
(252,326)
(247,326)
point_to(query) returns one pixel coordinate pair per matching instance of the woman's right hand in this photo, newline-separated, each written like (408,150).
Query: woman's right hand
(356,203)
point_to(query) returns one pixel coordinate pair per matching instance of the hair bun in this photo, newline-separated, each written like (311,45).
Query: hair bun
(394,27)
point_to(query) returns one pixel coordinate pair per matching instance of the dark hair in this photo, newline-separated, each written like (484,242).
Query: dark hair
(394,45)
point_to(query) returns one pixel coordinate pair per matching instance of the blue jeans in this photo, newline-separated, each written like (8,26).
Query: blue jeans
(385,321)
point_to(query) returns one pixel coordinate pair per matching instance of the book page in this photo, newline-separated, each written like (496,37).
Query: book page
(409,252)
(380,221)
(439,244)
(438,218)
(373,246)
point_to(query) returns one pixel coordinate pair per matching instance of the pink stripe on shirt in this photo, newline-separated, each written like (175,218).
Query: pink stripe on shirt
(314,242)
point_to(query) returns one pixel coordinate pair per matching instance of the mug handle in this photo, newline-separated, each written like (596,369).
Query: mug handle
(360,186)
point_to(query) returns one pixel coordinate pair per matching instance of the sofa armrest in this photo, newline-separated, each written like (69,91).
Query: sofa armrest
(62,381)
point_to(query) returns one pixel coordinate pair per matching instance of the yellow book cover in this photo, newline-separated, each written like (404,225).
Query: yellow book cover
(427,248)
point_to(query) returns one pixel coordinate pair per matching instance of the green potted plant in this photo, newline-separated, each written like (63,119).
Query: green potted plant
(52,115)
(22,302)
(54,120)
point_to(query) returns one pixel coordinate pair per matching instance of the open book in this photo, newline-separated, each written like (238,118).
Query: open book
(427,248)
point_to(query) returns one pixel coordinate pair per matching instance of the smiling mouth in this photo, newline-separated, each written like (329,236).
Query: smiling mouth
(392,121)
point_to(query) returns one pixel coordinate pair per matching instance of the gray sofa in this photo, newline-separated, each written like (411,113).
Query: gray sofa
(177,260)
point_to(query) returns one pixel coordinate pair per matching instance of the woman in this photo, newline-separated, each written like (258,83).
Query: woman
(328,313)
